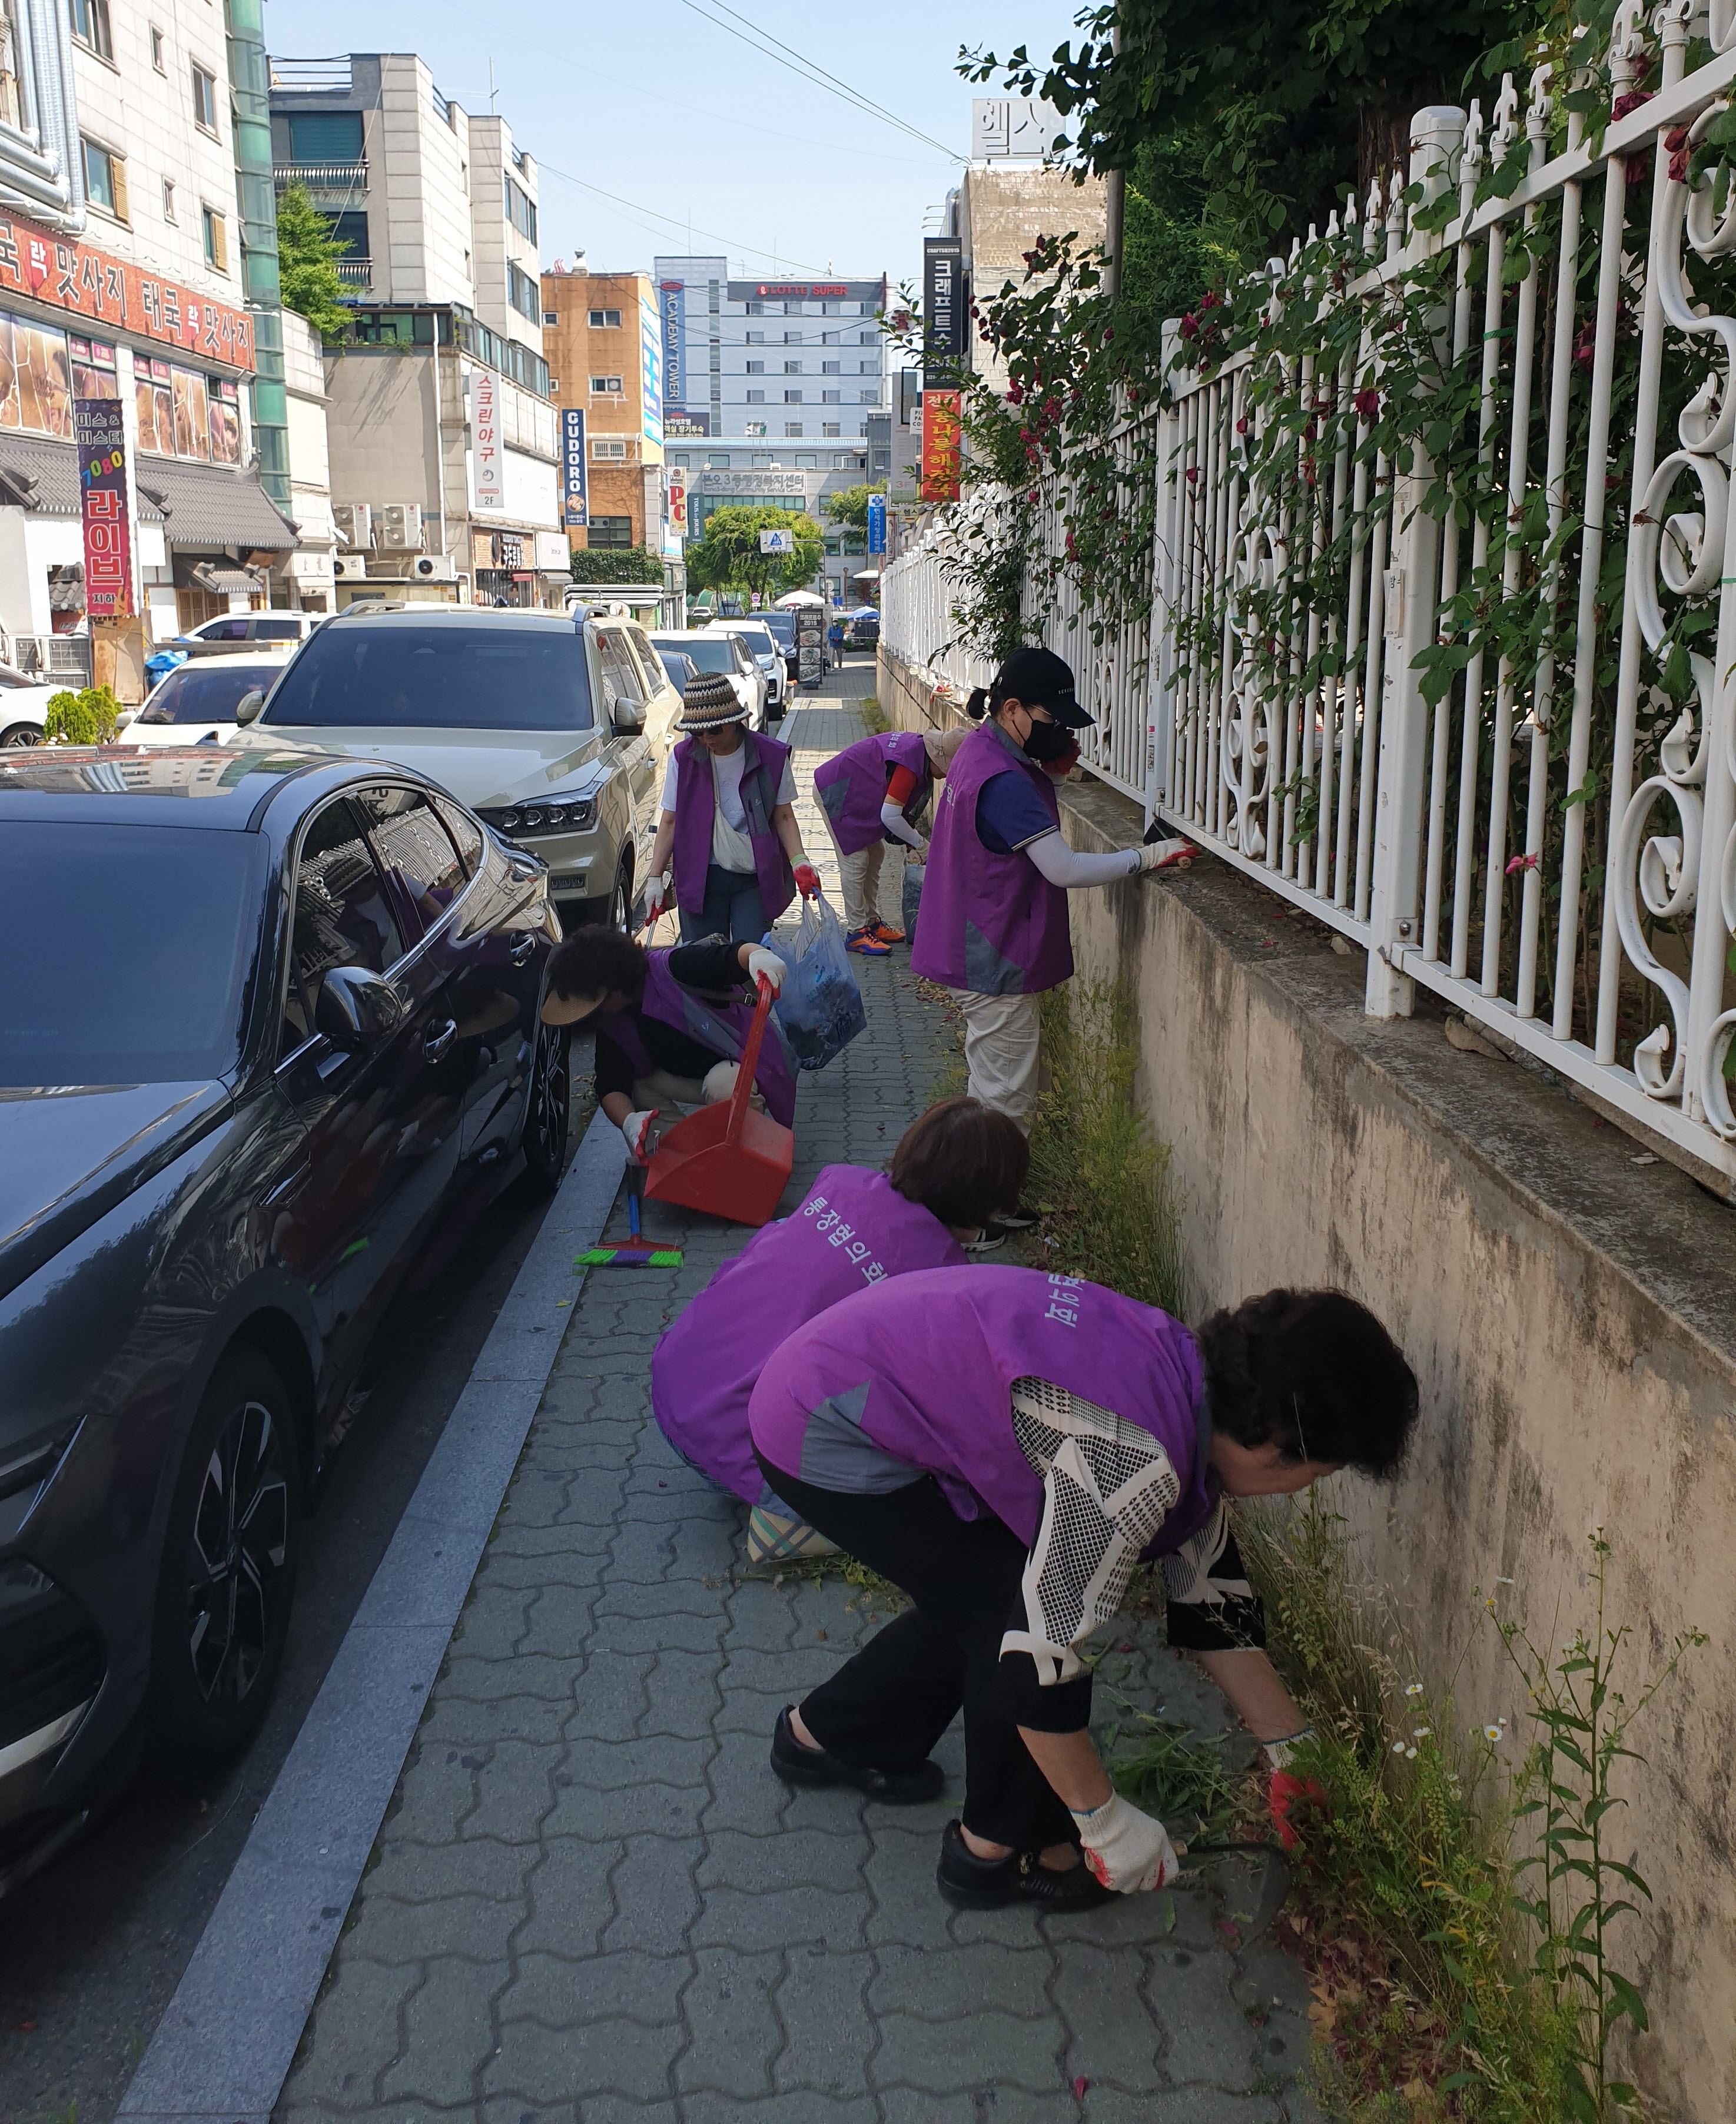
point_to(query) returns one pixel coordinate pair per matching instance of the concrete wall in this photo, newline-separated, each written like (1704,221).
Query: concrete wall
(1570,1314)
(1003,208)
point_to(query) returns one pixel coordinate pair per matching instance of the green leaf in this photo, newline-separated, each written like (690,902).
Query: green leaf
(1627,1999)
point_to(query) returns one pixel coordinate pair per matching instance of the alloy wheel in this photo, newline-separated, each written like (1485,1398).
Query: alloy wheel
(236,1556)
(19,737)
(551,1097)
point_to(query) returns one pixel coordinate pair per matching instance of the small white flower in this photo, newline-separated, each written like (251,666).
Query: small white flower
(1398,1747)
(1410,1754)
(1412,1689)
(1420,1732)
(1493,1733)
(1503,1582)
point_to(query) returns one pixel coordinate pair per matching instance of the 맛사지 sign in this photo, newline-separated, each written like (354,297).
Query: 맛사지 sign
(108,556)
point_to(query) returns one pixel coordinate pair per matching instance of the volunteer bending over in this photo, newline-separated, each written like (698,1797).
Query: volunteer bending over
(1004,1445)
(956,1168)
(874,792)
(670,1025)
(728,821)
(994,927)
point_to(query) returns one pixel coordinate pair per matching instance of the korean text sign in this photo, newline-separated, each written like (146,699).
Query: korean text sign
(108,558)
(485,439)
(940,446)
(574,493)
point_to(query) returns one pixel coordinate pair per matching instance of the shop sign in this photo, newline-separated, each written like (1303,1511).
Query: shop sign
(678,505)
(486,447)
(650,348)
(943,304)
(101,436)
(940,446)
(876,523)
(75,277)
(574,494)
(674,296)
(678,421)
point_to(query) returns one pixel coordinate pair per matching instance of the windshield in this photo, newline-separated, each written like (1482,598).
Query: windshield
(713,655)
(781,626)
(451,674)
(206,692)
(758,641)
(163,921)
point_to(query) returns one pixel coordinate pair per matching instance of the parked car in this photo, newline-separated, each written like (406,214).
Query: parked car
(554,730)
(239,1095)
(715,649)
(680,669)
(195,703)
(253,626)
(763,647)
(24,702)
(781,626)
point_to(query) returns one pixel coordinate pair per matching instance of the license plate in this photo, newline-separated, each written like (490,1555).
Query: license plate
(567,884)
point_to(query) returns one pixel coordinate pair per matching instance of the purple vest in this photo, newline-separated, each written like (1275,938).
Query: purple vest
(722,1028)
(851,786)
(992,924)
(696,803)
(926,1368)
(854,1229)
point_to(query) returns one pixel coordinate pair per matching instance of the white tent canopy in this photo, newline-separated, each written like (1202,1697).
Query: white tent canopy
(799,597)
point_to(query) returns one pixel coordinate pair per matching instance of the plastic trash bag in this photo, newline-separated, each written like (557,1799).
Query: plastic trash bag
(820,1005)
(914,875)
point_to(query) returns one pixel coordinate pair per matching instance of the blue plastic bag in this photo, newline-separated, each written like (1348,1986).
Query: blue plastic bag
(820,1005)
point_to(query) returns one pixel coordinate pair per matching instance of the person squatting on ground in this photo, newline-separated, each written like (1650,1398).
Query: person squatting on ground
(1004,1445)
(872,793)
(670,1025)
(728,820)
(994,927)
(955,1167)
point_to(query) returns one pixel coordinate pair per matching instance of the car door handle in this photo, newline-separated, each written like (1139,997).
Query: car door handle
(521,951)
(435,1047)
(290,1186)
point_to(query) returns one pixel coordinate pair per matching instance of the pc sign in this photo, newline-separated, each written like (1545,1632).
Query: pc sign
(777,541)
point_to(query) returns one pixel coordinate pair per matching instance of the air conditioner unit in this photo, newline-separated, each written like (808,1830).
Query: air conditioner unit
(354,522)
(435,568)
(399,527)
(350,567)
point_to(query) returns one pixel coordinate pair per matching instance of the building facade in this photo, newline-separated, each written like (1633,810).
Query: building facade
(444,432)
(602,336)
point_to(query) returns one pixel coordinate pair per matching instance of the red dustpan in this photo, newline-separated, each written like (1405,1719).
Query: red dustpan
(728,1160)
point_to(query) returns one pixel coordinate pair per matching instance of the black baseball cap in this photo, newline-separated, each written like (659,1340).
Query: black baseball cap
(1042,679)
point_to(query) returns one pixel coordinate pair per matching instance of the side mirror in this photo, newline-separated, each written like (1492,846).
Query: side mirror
(356,1007)
(627,715)
(247,707)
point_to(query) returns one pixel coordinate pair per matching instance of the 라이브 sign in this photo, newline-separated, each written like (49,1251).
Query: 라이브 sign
(98,431)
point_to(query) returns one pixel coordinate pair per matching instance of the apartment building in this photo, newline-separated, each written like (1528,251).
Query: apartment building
(443,427)
(603,340)
(124,277)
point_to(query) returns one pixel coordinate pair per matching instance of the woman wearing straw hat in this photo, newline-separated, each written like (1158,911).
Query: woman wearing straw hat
(729,821)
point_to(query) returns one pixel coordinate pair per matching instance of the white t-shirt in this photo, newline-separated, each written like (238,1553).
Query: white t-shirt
(731,845)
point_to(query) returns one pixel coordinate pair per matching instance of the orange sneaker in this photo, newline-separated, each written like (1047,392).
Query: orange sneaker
(884,932)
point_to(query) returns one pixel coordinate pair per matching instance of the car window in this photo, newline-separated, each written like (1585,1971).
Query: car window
(710,652)
(414,849)
(8,680)
(622,679)
(207,692)
(342,916)
(680,669)
(449,674)
(226,630)
(277,630)
(464,831)
(650,669)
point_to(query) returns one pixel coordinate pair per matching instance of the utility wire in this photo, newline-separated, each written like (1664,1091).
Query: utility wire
(634,207)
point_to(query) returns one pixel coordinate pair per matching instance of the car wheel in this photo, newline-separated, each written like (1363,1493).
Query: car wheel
(17,735)
(228,1568)
(548,1112)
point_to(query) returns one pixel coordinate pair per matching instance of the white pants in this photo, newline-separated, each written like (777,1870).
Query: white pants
(1002,1035)
(859,876)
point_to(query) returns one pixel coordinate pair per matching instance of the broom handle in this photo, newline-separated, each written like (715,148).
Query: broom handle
(743,1090)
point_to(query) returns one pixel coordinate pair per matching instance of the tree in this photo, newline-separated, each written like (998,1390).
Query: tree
(616,564)
(728,557)
(306,265)
(849,506)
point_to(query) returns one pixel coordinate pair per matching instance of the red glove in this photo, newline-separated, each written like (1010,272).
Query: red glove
(1292,1800)
(807,881)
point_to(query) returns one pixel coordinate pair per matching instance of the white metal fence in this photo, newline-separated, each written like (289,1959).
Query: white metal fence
(1550,845)
(917,625)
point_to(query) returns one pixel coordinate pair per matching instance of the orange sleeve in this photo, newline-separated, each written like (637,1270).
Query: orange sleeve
(901,785)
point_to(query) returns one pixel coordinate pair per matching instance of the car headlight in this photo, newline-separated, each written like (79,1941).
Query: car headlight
(567,815)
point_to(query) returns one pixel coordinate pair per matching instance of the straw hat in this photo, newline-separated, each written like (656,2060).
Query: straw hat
(708,703)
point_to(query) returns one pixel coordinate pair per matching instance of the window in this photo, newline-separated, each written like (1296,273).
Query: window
(603,320)
(464,831)
(216,239)
(756,339)
(554,387)
(168,199)
(521,292)
(830,368)
(104,180)
(793,368)
(831,397)
(622,679)
(551,316)
(762,459)
(601,384)
(792,309)
(91,26)
(865,309)
(793,427)
(607,449)
(325,136)
(756,368)
(204,99)
(342,916)
(351,229)
(869,397)
(519,210)
(868,367)
(157,59)
(610,531)
(792,397)
(717,464)
(756,397)
(793,339)
(840,463)
(868,339)
(756,309)
(807,463)
(414,850)
(830,428)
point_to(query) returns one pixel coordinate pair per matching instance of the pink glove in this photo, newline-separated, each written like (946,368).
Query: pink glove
(807,881)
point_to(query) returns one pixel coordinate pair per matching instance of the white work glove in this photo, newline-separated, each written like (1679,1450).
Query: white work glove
(1279,1751)
(1126,1851)
(656,896)
(760,961)
(636,1128)
(1160,854)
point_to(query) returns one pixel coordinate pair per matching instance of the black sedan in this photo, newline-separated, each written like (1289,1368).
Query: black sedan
(269,1031)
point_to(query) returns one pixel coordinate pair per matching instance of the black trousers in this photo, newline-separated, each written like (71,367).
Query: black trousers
(889,1705)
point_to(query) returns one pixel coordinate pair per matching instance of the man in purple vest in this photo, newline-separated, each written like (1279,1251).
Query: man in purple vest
(670,1025)
(995,901)
(1004,1445)
(729,820)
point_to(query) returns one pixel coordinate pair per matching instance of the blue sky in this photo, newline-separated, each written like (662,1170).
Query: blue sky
(654,101)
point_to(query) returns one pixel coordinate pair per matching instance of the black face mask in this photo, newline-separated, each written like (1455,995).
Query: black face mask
(1048,741)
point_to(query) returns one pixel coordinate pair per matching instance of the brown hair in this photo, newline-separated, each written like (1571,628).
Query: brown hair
(962,1161)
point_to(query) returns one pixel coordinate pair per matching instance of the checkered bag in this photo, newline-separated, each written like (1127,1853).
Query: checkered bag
(775,1535)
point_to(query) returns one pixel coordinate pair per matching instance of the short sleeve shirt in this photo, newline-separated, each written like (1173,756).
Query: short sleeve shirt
(731,847)
(1011,814)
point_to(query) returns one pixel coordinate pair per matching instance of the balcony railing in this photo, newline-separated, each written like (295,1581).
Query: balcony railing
(355,273)
(319,74)
(324,176)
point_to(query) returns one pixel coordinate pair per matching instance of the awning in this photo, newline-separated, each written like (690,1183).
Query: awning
(214,576)
(210,505)
(42,476)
